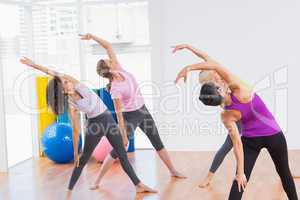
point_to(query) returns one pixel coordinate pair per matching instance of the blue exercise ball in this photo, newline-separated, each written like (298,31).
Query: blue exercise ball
(58,144)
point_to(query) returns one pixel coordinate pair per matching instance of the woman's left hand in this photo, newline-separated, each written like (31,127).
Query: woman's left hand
(179,47)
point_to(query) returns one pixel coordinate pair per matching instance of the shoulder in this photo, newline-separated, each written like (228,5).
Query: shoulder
(69,78)
(243,95)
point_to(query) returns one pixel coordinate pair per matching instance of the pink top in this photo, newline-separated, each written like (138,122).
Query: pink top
(128,91)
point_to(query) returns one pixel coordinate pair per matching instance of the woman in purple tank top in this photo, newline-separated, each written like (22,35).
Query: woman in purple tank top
(259,128)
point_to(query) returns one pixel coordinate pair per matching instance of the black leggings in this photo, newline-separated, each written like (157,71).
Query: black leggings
(277,147)
(143,119)
(96,128)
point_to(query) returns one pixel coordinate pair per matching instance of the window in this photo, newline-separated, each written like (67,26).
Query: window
(13,44)
(55,37)
(53,41)
(126,26)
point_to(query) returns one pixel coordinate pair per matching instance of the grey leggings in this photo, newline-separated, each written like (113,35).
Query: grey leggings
(222,152)
(143,119)
(96,128)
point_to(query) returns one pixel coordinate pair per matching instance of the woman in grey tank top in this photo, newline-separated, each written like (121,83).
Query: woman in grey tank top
(100,121)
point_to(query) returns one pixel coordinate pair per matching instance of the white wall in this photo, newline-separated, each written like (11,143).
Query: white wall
(3,145)
(252,38)
(18,123)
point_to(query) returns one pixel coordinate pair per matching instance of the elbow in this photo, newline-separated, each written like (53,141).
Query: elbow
(108,47)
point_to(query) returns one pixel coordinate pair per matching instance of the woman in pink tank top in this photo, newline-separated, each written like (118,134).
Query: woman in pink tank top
(259,127)
(130,108)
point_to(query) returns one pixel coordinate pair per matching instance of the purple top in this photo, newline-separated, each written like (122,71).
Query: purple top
(256,118)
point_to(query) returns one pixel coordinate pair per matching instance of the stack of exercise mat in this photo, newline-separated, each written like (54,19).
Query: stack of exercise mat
(55,132)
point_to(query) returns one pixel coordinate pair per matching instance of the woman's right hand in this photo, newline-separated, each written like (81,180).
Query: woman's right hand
(28,62)
(241,181)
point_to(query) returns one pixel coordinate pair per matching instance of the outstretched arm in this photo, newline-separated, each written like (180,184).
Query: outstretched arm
(223,72)
(106,45)
(75,126)
(233,82)
(229,119)
(32,64)
(197,52)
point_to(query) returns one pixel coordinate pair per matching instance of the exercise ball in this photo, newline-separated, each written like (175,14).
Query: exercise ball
(58,144)
(102,149)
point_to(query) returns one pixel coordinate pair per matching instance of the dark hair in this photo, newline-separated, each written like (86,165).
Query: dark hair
(209,95)
(103,70)
(55,96)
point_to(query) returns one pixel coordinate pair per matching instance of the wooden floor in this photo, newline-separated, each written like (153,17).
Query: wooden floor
(43,180)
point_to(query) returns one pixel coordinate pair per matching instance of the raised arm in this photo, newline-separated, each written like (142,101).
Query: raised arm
(233,82)
(32,64)
(106,45)
(121,123)
(75,126)
(229,119)
(197,52)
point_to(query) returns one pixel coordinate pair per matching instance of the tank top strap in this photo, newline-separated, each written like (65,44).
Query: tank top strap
(234,99)
(71,102)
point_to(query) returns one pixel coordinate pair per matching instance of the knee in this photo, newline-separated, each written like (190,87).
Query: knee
(157,143)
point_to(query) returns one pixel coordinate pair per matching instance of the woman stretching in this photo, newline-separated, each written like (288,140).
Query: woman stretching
(129,106)
(80,98)
(259,127)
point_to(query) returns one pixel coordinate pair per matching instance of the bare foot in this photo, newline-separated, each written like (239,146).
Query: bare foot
(207,181)
(176,174)
(94,187)
(142,188)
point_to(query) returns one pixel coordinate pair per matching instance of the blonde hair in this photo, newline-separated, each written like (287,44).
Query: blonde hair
(203,76)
